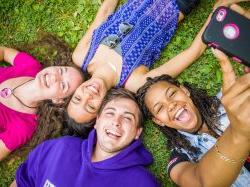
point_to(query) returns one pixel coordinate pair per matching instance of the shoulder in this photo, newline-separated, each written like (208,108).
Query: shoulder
(175,159)
(62,144)
(64,141)
(142,177)
(24,60)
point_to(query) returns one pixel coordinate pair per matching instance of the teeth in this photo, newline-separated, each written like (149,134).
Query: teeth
(113,132)
(178,113)
(47,80)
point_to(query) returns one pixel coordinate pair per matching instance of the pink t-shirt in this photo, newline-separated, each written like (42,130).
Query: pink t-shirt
(16,128)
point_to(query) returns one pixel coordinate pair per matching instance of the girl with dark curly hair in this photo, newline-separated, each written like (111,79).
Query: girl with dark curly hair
(206,150)
(193,122)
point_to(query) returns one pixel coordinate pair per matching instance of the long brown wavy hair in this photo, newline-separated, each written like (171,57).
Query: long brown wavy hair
(50,116)
(206,105)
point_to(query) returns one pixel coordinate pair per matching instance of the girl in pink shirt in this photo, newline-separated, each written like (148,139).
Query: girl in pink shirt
(23,87)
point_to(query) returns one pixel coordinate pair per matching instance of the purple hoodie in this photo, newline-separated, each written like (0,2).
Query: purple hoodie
(67,162)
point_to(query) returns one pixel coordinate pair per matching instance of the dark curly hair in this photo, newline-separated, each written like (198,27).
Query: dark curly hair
(206,105)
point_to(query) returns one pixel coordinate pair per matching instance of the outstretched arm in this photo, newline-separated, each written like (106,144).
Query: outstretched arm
(13,184)
(8,54)
(180,62)
(227,2)
(106,9)
(221,165)
(4,151)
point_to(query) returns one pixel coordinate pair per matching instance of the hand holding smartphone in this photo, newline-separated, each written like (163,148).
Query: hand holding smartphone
(229,32)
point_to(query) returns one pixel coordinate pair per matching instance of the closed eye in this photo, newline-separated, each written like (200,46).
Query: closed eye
(90,109)
(172,93)
(158,110)
(60,71)
(110,113)
(128,118)
(76,99)
(64,87)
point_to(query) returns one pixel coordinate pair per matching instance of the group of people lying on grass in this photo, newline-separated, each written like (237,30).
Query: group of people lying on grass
(208,135)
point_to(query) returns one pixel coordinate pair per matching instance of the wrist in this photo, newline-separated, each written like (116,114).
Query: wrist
(239,138)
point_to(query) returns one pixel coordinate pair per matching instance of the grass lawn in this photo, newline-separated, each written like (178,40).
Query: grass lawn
(21,21)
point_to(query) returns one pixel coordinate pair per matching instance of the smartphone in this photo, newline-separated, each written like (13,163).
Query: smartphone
(229,32)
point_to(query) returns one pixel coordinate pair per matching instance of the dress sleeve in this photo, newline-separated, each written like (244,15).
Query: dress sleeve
(18,134)
(176,158)
(23,65)
(27,63)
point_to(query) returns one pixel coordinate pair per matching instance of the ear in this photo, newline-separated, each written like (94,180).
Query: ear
(57,101)
(185,90)
(158,122)
(138,133)
(96,122)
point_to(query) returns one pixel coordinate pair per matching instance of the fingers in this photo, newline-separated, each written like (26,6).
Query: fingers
(222,3)
(243,97)
(240,10)
(239,89)
(228,74)
(247,69)
(238,111)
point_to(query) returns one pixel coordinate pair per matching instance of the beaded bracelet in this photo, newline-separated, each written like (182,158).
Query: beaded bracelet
(225,158)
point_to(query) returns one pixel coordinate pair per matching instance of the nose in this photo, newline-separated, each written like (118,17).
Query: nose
(55,77)
(117,121)
(171,106)
(88,96)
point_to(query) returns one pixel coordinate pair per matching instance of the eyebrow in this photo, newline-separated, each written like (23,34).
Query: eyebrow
(167,90)
(130,113)
(72,101)
(126,112)
(165,93)
(85,108)
(65,69)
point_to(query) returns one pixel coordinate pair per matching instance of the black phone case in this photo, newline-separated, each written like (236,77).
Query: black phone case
(229,33)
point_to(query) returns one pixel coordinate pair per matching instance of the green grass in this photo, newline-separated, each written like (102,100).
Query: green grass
(21,21)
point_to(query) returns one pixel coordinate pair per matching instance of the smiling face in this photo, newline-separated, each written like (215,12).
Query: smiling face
(117,125)
(171,106)
(86,100)
(58,82)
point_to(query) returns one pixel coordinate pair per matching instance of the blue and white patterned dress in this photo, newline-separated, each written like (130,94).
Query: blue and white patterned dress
(153,25)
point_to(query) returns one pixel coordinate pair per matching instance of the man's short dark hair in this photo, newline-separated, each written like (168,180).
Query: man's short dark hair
(116,93)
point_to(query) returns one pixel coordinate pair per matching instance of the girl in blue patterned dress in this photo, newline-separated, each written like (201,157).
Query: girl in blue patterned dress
(119,49)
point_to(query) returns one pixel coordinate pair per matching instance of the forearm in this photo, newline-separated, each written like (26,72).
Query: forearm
(13,184)
(4,151)
(2,53)
(216,171)
(106,9)
(179,63)
(7,54)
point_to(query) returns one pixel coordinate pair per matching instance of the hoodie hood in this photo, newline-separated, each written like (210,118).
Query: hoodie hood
(133,155)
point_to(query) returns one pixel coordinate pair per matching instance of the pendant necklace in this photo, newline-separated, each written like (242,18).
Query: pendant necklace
(7,92)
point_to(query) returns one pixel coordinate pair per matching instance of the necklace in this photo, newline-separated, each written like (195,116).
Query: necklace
(7,92)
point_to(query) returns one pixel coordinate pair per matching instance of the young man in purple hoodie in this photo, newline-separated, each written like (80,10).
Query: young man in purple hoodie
(112,155)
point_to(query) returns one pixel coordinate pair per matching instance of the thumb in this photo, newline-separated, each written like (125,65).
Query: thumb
(247,69)
(228,74)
